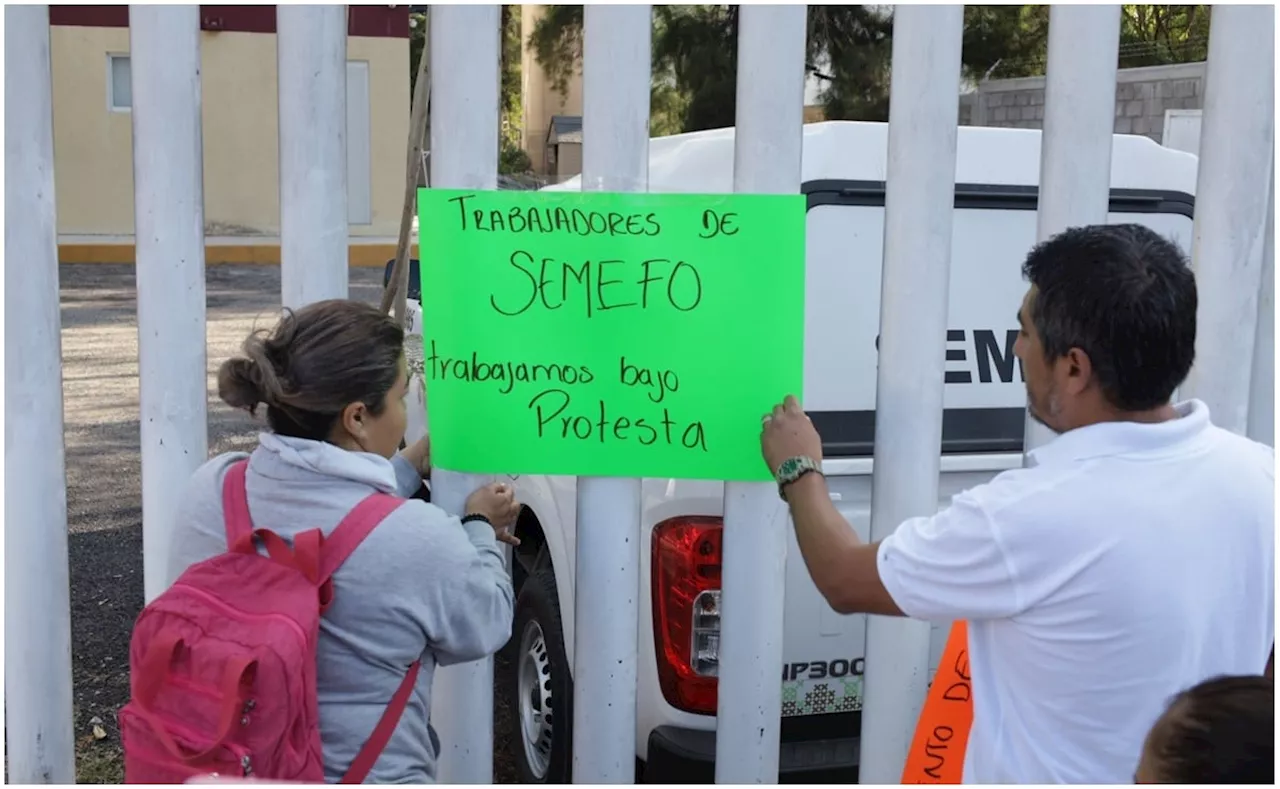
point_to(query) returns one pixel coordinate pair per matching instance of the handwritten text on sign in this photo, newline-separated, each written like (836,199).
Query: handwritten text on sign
(942,732)
(609,334)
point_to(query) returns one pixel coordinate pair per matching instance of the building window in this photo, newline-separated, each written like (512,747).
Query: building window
(119,84)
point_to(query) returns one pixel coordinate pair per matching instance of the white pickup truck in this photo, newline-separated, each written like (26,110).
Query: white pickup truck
(997,171)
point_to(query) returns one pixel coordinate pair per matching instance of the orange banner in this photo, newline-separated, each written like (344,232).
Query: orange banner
(937,750)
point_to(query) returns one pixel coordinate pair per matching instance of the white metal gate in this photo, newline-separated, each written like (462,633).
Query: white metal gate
(1233,251)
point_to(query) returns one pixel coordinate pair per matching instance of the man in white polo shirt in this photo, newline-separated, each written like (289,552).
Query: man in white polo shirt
(1131,559)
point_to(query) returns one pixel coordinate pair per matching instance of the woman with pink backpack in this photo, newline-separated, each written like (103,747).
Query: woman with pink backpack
(311,599)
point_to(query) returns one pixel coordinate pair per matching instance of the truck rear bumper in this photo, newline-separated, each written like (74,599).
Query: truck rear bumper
(678,755)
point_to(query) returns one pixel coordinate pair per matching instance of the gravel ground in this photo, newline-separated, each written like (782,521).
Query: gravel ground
(104,498)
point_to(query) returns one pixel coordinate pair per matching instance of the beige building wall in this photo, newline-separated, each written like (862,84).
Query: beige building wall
(568,160)
(92,145)
(541,99)
(93,153)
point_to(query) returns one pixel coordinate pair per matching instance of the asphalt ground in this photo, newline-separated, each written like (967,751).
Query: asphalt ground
(104,494)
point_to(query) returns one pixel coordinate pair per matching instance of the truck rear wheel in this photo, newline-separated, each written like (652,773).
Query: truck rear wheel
(544,690)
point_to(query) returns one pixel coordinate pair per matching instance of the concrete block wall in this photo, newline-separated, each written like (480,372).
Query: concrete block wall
(1142,96)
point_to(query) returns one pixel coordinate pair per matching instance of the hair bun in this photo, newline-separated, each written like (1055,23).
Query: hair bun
(313,364)
(240,384)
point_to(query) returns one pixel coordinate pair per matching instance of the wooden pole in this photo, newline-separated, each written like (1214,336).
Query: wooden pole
(397,289)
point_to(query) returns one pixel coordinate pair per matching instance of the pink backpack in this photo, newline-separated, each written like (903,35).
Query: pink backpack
(223,664)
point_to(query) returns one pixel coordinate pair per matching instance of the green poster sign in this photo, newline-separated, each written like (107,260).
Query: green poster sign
(630,335)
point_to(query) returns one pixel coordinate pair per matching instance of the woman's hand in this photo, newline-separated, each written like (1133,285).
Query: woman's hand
(419,454)
(496,502)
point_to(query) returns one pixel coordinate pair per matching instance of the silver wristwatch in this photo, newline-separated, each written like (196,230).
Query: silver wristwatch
(793,469)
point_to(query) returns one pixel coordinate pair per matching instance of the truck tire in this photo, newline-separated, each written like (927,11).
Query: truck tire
(543,718)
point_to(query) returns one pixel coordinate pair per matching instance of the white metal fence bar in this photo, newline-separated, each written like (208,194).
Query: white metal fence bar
(919,196)
(464,155)
(1237,154)
(607,568)
(1262,390)
(37,607)
(1079,125)
(615,157)
(767,155)
(1079,117)
(311,45)
(164,44)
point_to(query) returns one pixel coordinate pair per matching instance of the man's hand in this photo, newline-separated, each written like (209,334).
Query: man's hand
(788,433)
(842,566)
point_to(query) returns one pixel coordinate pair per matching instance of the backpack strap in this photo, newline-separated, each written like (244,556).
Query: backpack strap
(319,557)
(326,554)
(377,742)
(239,524)
(235,504)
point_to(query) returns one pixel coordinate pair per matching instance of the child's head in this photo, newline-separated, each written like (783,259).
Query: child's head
(1222,731)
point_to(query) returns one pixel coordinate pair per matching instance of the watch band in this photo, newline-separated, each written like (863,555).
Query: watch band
(794,468)
(475,516)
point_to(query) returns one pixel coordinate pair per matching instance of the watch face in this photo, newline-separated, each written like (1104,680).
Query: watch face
(789,466)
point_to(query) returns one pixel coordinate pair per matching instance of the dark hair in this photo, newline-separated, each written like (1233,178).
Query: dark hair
(313,364)
(1222,731)
(1126,297)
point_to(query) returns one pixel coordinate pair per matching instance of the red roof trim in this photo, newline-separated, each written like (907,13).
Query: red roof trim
(375,21)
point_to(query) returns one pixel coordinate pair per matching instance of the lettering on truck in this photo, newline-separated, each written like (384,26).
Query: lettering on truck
(821,669)
(968,349)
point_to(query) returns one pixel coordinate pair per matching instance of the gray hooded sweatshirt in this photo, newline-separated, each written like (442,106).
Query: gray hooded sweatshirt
(422,584)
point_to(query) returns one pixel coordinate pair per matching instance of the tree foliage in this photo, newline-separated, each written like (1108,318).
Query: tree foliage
(849,49)
(690,50)
(1013,41)
(1153,35)
(695,59)
(1002,41)
(556,41)
(511,156)
(512,160)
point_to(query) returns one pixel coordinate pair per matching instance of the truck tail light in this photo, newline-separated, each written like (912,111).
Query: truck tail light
(686,610)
